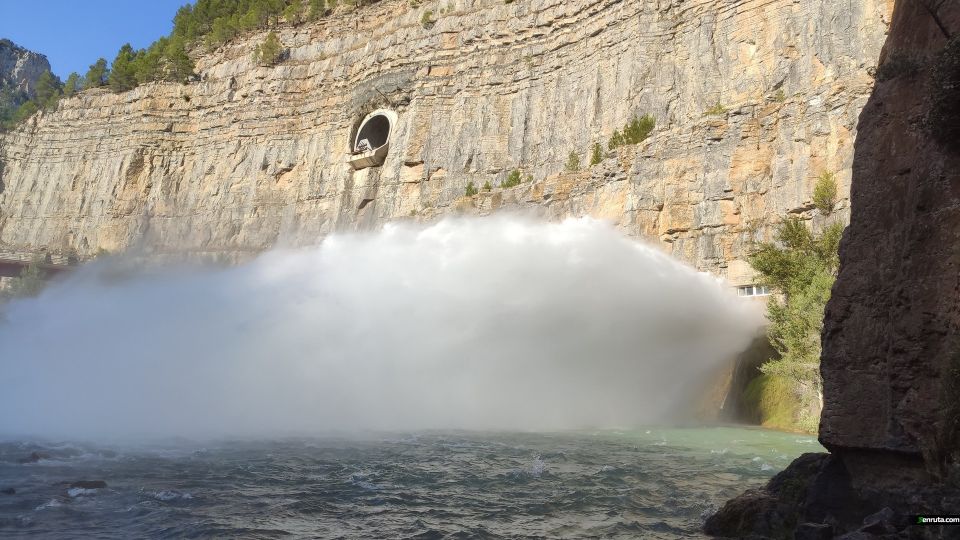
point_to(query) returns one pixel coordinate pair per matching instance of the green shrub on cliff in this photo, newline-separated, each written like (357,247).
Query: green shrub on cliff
(616,140)
(825,192)
(270,52)
(638,129)
(596,155)
(802,267)
(717,109)
(634,132)
(513,179)
(573,162)
(427,18)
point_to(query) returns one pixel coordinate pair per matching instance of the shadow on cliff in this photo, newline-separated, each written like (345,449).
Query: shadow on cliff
(891,338)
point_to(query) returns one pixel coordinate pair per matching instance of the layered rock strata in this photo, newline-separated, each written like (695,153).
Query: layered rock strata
(249,157)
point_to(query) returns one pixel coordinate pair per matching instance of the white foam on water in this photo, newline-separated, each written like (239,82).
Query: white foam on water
(493,323)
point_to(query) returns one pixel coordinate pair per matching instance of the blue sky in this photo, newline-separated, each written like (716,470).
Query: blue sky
(74,33)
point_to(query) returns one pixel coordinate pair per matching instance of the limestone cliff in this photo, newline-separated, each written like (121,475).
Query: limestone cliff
(250,156)
(891,339)
(20,69)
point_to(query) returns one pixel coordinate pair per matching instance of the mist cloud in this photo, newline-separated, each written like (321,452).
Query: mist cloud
(494,323)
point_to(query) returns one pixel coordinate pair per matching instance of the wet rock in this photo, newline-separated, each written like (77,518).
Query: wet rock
(880,523)
(34,457)
(776,509)
(88,484)
(8,491)
(813,531)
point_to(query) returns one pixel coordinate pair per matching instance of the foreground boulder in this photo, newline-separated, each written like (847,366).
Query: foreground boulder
(815,499)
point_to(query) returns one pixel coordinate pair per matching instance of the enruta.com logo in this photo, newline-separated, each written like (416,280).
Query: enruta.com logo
(936,519)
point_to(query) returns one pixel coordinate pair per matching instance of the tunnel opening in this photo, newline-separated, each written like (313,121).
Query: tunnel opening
(373,133)
(371,141)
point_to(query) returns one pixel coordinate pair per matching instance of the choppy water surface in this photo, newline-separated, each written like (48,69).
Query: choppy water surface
(656,483)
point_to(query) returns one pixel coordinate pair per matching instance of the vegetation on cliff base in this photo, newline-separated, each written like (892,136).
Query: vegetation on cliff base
(772,400)
(802,267)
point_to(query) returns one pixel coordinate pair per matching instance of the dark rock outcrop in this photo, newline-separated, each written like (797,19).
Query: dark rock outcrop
(891,339)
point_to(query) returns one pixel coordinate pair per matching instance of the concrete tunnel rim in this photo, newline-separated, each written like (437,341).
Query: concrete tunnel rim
(391,117)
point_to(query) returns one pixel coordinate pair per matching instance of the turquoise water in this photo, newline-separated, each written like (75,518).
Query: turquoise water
(647,483)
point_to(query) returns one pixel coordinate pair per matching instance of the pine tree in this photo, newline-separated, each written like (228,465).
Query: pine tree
(123,71)
(802,267)
(180,66)
(97,75)
(47,91)
(147,67)
(73,85)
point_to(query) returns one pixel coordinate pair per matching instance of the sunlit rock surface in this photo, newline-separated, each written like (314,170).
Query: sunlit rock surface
(20,69)
(250,157)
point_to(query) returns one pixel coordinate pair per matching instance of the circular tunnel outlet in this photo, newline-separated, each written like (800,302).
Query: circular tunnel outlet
(374,131)
(372,141)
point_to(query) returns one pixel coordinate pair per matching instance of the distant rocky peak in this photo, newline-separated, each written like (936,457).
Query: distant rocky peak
(20,68)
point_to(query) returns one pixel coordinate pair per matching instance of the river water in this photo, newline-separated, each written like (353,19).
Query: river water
(647,483)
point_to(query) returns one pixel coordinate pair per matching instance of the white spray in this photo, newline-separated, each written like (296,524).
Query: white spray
(496,323)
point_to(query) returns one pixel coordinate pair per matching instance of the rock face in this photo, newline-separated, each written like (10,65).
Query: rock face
(892,331)
(891,339)
(250,156)
(20,69)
